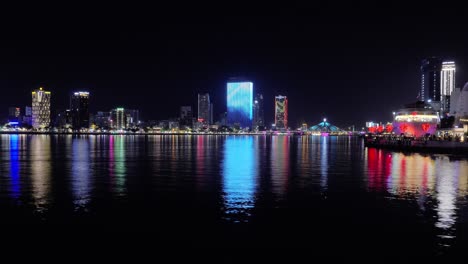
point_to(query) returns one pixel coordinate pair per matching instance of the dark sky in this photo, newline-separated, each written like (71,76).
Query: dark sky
(348,62)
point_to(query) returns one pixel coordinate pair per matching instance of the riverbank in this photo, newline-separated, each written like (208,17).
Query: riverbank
(418,145)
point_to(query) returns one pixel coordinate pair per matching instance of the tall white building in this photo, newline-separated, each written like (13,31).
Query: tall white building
(40,108)
(118,118)
(447,84)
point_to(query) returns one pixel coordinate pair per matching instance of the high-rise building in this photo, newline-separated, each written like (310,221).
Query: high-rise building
(79,105)
(186,116)
(102,119)
(204,106)
(211,121)
(14,115)
(14,112)
(447,85)
(281,112)
(64,119)
(430,79)
(437,83)
(258,117)
(40,108)
(132,117)
(27,118)
(118,118)
(239,104)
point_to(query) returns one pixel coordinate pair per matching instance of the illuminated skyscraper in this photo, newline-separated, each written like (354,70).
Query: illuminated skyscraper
(80,109)
(258,117)
(447,85)
(430,79)
(281,112)
(40,108)
(239,103)
(204,109)
(118,118)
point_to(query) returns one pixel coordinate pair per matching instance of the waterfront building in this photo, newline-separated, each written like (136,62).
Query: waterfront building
(239,104)
(416,119)
(430,79)
(132,118)
(64,119)
(447,85)
(258,116)
(118,119)
(186,116)
(14,115)
(437,83)
(102,119)
(79,106)
(40,108)
(281,112)
(204,109)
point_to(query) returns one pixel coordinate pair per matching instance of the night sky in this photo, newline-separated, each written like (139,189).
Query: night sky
(350,63)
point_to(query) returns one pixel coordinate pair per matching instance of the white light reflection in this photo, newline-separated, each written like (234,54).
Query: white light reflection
(80,172)
(40,171)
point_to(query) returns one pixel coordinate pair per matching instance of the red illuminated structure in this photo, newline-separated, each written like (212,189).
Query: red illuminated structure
(417,119)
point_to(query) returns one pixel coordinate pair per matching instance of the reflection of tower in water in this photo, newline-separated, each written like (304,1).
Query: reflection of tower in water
(14,155)
(80,171)
(280,167)
(40,170)
(239,177)
(117,168)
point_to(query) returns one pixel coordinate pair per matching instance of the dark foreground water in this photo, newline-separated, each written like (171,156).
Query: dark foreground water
(327,194)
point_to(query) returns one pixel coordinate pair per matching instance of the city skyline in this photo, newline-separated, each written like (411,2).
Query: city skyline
(318,57)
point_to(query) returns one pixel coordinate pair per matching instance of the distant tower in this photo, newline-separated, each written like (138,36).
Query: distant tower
(80,109)
(430,79)
(447,85)
(240,103)
(40,108)
(281,112)
(258,117)
(204,106)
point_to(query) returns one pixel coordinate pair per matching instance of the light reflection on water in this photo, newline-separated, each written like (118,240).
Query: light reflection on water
(423,179)
(41,166)
(239,177)
(81,182)
(117,168)
(235,176)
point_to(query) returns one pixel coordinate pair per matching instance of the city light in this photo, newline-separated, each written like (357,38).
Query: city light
(239,103)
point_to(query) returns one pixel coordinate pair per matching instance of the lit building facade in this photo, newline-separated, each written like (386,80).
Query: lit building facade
(258,116)
(132,117)
(447,85)
(240,103)
(118,118)
(281,112)
(417,119)
(79,105)
(40,108)
(204,109)
(430,79)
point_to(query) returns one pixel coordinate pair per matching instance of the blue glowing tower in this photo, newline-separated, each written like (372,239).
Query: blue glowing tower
(240,103)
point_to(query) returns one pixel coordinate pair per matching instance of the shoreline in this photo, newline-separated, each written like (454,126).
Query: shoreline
(435,147)
(162,133)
